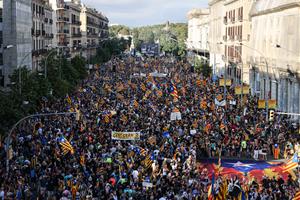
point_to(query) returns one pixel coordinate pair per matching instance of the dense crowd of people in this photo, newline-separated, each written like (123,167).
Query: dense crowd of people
(162,164)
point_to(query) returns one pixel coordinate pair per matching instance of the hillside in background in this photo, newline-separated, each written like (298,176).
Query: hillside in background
(171,36)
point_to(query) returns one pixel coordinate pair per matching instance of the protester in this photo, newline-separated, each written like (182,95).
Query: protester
(121,96)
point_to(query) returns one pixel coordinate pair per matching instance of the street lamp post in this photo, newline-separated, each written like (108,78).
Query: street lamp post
(267,71)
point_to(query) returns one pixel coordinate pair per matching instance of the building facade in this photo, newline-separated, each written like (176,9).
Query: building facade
(275,40)
(236,39)
(94,28)
(216,33)
(61,25)
(198,28)
(1,45)
(74,27)
(17,20)
(42,35)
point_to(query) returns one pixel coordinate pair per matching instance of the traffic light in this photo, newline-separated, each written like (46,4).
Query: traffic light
(271,115)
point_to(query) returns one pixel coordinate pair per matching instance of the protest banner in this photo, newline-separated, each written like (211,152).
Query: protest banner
(272,104)
(261,104)
(220,103)
(238,90)
(175,116)
(115,135)
(222,82)
(159,75)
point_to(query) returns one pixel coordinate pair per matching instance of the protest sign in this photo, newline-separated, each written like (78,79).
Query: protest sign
(175,116)
(222,82)
(261,104)
(125,135)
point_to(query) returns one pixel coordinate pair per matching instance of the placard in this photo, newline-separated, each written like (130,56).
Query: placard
(125,135)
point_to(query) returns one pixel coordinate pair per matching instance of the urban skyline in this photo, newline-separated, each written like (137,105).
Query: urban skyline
(135,13)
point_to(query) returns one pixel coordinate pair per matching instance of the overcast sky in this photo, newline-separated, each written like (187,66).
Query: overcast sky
(145,12)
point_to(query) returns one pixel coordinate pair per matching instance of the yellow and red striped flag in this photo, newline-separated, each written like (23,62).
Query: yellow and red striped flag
(135,104)
(66,146)
(124,118)
(159,93)
(143,87)
(203,105)
(297,196)
(292,163)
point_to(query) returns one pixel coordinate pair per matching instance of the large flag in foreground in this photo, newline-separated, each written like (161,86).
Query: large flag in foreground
(246,169)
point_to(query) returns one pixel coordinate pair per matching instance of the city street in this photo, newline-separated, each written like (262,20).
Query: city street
(139,124)
(149,100)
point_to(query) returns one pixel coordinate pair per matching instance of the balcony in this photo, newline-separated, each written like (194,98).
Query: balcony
(78,23)
(231,37)
(66,31)
(239,38)
(37,32)
(43,32)
(64,44)
(46,20)
(225,20)
(240,18)
(51,21)
(60,19)
(49,35)
(66,19)
(60,6)
(32,31)
(225,38)
(76,34)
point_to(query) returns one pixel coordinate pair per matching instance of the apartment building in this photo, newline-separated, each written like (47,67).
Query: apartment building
(42,34)
(275,55)
(236,39)
(215,37)
(61,25)
(1,45)
(94,28)
(74,27)
(17,20)
(198,29)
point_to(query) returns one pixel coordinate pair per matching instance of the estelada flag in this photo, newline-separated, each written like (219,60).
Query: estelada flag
(124,118)
(203,104)
(219,97)
(159,93)
(297,196)
(176,109)
(143,87)
(135,104)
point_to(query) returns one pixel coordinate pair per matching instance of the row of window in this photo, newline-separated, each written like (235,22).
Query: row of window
(37,9)
(234,31)
(233,51)
(231,15)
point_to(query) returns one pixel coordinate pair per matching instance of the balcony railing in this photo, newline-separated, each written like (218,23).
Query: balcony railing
(37,32)
(66,19)
(225,20)
(76,23)
(225,38)
(76,34)
(32,31)
(51,21)
(46,20)
(231,37)
(43,32)
(240,18)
